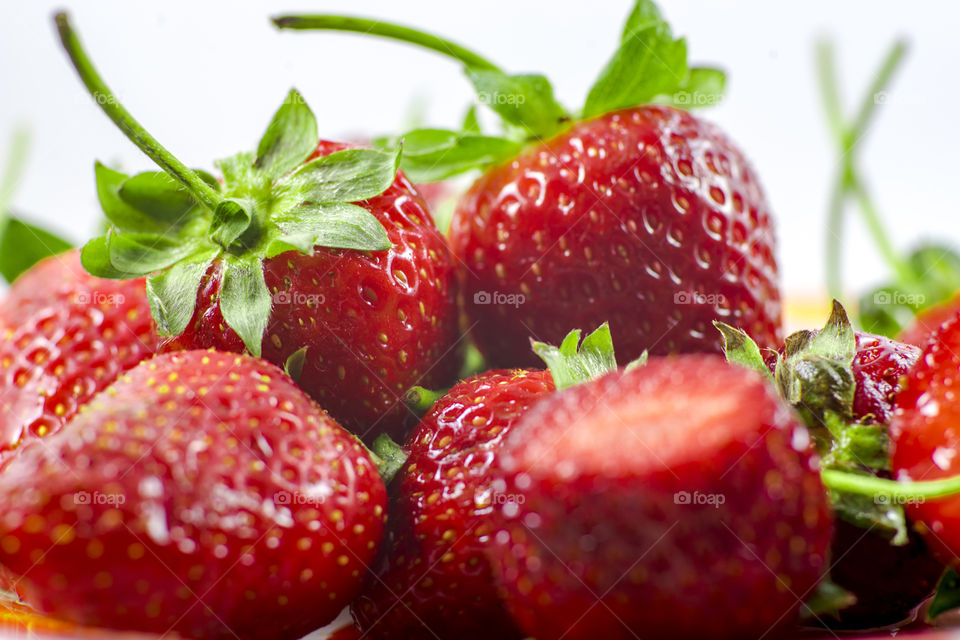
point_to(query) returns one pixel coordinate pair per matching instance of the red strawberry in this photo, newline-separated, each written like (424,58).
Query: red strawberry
(433,579)
(928,321)
(878,367)
(645,216)
(322,256)
(925,438)
(64,336)
(679,499)
(202,492)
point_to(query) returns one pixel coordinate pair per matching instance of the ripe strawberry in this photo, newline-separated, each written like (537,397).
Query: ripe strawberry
(927,321)
(878,367)
(432,578)
(645,216)
(925,440)
(653,503)
(202,492)
(322,256)
(64,336)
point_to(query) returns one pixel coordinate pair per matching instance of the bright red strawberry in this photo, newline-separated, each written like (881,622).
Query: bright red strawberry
(645,216)
(925,438)
(64,336)
(202,492)
(878,367)
(928,321)
(433,580)
(679,499)
(320,256)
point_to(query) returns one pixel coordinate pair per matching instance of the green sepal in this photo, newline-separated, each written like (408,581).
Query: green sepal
(388,456)
(22,245)
(172,293)
(122,216)
(294,364)
(431,155)
(637,362)
(523,100)
(648,63)
(238,169)
(470,122)
(139,254)
(95,258)
(829,599)
(420,399)
(572,362)
(245,300)
(947,596)
(231,220)
(337,226)
(703,87)
(871,513)
(351,175)
(740,349)
(289,139)
(157,196)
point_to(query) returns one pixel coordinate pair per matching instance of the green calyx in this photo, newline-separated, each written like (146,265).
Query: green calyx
(175,225)
(575,362)
(648,66)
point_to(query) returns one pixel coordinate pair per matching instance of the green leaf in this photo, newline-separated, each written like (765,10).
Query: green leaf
(703,87)
(571,364)
(238,169)
(525,100)
(158,196)
(470,122)
(829,599)
(22,245)
(430,155)
(231,219)
(172,293)
(947,596)
(95,258)
(648,63)
(294,364)
(245,300)
(740,349)
(290,138)
(637,362)
(335,225)
(139,254)
(347,176)
(122,216)
(875,514)
(856,446)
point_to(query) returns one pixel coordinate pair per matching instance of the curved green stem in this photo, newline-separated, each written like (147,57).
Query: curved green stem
(13,169)
(420,399)
(835,237)
(826,76)
(891,489)
(388,456)
(871,217)
(386,30)
(203,192)
(877,87)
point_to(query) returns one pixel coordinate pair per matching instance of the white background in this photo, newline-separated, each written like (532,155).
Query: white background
(205,77)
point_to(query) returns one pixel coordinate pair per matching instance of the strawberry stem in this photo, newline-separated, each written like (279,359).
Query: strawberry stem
(421,399)
(386,30)
(847,180)
(13,170)
(388,456)
(201,191)
(889,489)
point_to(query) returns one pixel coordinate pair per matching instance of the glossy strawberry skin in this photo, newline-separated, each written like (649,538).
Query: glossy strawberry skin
(925,438)
(374,324)
(647,218)
(440,518)
(878,367)
(593,481)
(64,336)
(928,321)
(198,476)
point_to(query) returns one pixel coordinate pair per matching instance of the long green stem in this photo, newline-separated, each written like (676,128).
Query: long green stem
(835,236)
(829,92)
(875,91)
(203,192)
(890,489)
(871,217)
(13,170)
(386,30)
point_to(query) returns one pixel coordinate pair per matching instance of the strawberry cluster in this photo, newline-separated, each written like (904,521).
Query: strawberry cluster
(200,410)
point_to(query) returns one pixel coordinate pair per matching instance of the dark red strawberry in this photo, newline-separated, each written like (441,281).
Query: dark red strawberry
(645,216)
(432,579)
(202,492)
(878,367)
(324,256)
(925,438)
(652,503)
(64,336)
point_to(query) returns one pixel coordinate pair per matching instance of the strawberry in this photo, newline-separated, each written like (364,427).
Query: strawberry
(645,216)
(928,320)
(64,336)
(322,256)
(202,492)
(432,578)
(925,440)
(679,499)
